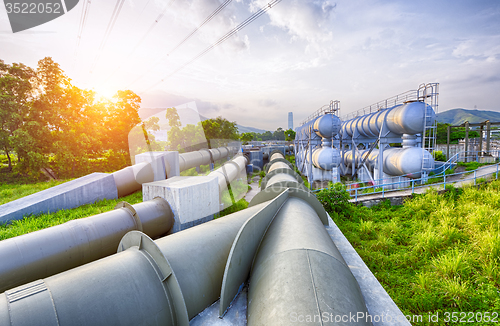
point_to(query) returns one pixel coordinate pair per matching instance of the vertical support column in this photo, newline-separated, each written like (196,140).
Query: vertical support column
(353,158)
(380,161)
(448,131)
(466,140)
(481,139)
(488,134)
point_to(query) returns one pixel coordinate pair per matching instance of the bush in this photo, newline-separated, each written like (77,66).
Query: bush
(439,156)
(335,199)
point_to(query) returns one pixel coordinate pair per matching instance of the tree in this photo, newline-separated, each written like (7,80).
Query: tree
(279,134)
(16,103)
(246,137)
(219,128)
(289,135)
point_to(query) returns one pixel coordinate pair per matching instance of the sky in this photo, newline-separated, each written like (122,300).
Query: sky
(296,57)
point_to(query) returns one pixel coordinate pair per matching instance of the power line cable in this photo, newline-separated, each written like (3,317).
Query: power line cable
(209,18)
(242,25)
(81,26)
(109,29)
(155,23)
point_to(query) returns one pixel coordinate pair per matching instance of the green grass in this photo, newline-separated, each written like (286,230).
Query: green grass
(435,253)
(470,166)
(39,222)
(10,192)
(238,206)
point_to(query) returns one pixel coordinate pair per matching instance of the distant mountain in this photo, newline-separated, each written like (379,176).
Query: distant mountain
(456,117)
(243,129)
(187,115)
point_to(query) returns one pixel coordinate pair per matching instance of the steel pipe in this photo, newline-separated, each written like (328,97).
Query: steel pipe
(162,282)
(298,271)
(408,118)
(229,171)
(53,250)
(131,178)
(202,157)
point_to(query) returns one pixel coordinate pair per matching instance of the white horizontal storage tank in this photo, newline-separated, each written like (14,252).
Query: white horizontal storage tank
(401,119)
(397,161)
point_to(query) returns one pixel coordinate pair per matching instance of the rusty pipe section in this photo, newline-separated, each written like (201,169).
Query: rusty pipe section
(202,157)
(162,282)
(59,248)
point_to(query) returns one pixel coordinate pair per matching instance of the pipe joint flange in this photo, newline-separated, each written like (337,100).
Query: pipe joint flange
(143,243)
(279,171)
(276,151)
(131,210)
(268,165)
(210,153)
(294,190)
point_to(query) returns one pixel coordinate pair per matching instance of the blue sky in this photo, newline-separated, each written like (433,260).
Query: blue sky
(297,57)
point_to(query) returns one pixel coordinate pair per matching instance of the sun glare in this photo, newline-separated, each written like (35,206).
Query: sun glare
(104,94)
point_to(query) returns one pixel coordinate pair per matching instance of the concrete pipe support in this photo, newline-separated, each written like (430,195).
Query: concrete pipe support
(53,250)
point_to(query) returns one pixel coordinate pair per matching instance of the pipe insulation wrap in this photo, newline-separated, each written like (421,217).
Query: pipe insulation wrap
(40,254)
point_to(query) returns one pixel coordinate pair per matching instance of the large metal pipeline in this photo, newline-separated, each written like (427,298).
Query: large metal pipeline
(229,171)
(408,118)
(170,280)
(162,282)
(299,272)
(202,157)
(53,250)
(131,178)
(397,161)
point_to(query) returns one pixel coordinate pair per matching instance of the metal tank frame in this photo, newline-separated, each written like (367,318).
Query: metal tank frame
(410,114)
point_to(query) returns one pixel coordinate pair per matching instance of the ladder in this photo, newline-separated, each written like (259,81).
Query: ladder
(428,93)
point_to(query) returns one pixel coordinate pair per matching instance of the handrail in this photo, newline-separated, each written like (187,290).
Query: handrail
(357,191)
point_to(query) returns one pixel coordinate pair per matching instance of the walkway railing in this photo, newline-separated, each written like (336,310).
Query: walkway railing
(432,181)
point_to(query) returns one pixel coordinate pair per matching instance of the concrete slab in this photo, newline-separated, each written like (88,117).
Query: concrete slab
(193,200)
(84,190)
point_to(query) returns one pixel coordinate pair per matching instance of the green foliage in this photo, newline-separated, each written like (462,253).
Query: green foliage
(238,206)
(456,133)
(439,156)
(435,252)
(43,221)
(219,128)
(48,122)
(289,135)
(335,198)
(470,166)
(246,137)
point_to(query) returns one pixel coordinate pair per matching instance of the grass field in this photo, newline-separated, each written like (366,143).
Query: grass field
(13,191)
(35,223)
(435,253)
